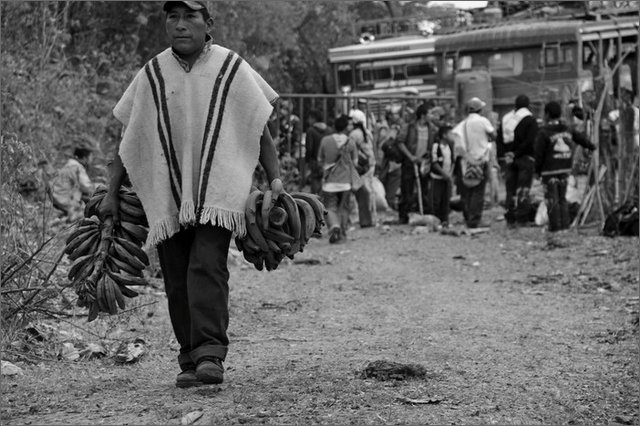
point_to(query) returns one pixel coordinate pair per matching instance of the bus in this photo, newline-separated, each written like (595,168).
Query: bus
(546,60)
(387,67)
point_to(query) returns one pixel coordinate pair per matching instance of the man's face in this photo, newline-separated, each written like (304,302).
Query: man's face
(186,29)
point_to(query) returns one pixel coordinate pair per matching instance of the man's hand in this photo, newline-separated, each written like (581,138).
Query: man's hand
(110,206)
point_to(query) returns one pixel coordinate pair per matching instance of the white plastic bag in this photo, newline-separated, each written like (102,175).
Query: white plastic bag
(380,195)
(542,216)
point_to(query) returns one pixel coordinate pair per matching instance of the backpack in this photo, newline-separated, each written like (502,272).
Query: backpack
(622,221)
(343,170)
(390,149)
(364,158)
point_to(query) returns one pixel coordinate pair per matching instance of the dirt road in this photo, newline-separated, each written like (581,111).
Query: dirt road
(511,327)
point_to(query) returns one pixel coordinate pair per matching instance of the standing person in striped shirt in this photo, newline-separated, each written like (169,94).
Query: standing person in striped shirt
(194,121)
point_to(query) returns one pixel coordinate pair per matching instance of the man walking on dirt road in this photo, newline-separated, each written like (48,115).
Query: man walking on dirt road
(195,128)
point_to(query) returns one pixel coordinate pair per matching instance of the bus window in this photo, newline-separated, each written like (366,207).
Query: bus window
(448,67)
(369,75)
(551,56)
(589,56)
(424,69)
(344,75)
(464,63)
(568,54)
(506,64)
(398,72)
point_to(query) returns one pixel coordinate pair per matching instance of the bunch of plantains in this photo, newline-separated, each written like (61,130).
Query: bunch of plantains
(108,257)
(279,227)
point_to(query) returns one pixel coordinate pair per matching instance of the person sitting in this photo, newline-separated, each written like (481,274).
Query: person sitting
(72,187)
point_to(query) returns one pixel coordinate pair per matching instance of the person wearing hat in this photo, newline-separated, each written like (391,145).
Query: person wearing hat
(363,105)
(516,138)
(473,151)
(365,164)
(194,122)
(71,186)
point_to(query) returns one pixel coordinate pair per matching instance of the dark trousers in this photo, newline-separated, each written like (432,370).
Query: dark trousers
(194,266)
(440,197)
(555,191)
(315,177)
(473,201)
(407,187)
(363,197)
(518,181)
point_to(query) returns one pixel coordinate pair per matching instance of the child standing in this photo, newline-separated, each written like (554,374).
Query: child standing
(442,165)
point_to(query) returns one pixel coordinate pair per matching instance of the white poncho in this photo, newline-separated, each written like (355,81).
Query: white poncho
(192,139)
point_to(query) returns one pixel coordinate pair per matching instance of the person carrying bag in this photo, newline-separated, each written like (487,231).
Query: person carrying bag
(473,148)
(340,177)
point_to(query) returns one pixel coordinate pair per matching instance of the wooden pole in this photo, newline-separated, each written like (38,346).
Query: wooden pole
(596,124)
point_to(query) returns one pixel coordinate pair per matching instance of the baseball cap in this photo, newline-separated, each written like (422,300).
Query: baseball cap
(193,5)
(475,104)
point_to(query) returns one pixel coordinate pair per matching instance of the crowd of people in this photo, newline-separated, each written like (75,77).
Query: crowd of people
(426,162)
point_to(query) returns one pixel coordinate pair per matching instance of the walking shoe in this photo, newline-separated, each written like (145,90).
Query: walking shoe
(187,379)
(210,371)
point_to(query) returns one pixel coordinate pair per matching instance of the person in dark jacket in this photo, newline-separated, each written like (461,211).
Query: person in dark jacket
(414,146)
(553,153)
(517,136)
(316,130)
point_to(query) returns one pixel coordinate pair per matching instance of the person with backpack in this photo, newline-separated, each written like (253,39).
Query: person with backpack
(337,156)
(553,151)
(442,165)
